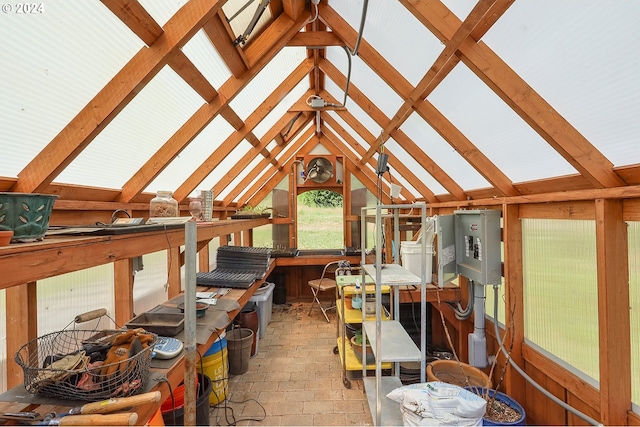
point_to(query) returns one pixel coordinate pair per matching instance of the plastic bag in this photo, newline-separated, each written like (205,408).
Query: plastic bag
(436,403)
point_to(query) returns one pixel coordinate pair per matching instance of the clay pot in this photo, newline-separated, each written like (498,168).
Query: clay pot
(5,237)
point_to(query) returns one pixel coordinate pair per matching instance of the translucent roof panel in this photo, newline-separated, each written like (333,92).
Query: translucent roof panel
(443,154)
(253,165)
(366,80)
(230,161)
(334,115)
(45,80)
(495,129)
(207,59)
(133,137)
(162,11)
(276,114)
(460,8)
(262,85)
(353,108)
(241,12)
(583,58)
(388,28)
(192,157)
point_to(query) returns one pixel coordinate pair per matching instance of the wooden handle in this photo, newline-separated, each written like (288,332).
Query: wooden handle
(90,315)
(118,403)
(120,419)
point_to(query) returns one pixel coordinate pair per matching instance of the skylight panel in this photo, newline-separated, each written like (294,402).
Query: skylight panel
(252,166)
(276,114)
(340,138)
(53,64)
(202,146)
(442,153)
(498,132)
(396,34)
(582,57)
(262,85)
(244,16)
(207,59)
(138,131)
(162,11)
(367,81)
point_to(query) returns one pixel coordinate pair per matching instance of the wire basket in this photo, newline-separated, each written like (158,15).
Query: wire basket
(66,364)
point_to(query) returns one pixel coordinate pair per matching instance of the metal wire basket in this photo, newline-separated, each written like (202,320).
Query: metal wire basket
(63,364)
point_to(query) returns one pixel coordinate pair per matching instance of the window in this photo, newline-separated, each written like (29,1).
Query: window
(561,292)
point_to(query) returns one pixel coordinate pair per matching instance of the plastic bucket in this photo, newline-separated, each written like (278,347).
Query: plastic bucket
(216,367)
(411,257)
(173,411)
(239,343)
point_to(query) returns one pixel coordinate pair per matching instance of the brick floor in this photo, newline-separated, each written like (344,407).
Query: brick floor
(295,379)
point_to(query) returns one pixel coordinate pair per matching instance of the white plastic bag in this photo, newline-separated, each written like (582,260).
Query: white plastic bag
(436,403)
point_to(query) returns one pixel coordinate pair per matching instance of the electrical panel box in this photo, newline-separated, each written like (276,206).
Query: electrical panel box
(477,242)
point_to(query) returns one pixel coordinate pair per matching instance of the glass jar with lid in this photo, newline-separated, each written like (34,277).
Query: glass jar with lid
(163,205)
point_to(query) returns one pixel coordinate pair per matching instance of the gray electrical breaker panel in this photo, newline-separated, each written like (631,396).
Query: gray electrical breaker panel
(478,245)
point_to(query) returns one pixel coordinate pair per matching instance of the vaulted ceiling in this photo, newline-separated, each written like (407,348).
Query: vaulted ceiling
(493,98)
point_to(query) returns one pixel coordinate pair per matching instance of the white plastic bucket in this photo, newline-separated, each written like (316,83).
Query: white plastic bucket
(411,257)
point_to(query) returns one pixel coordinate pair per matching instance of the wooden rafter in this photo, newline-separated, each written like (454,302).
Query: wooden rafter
(270,159)
(405,142)
(276,33)
(293,8)
(182,65)
(521,97)
(315,39)
(440,68)
(201,172)
(112,99)
(221,36)
(136,17)
(273,174)
(187,132)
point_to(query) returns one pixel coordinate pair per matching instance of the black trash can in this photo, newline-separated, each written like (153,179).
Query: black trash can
(175,417)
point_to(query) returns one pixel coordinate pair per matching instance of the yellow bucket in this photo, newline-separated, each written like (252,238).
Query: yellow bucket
(216,367)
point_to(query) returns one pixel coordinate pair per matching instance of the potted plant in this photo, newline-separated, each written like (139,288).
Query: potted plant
(356,344)
(502,410)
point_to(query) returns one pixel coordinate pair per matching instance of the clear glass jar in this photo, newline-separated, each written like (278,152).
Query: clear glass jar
(163,205)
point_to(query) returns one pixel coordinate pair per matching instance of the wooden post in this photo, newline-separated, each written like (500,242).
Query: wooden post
(22,321)
(613,312)
(123,290)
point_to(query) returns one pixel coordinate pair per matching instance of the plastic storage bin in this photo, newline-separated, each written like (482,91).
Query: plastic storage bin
(263,298)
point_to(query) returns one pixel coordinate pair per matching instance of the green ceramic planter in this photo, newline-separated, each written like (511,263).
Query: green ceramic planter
(26,214)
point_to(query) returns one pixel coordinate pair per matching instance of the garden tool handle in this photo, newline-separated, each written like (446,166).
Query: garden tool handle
(90,315)
(119,419)
(118,403)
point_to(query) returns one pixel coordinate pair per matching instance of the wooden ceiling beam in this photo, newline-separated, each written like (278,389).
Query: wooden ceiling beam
(444,63)
(136,17)
(273,174)
(278,32)
(315,40)
(187,132)
(113,97)
(393,161)
(201,172)
(522,98)
(466,149)
(405,142)
(221,36)
(293,8)
(250,155)
(182,65)
(259,168)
